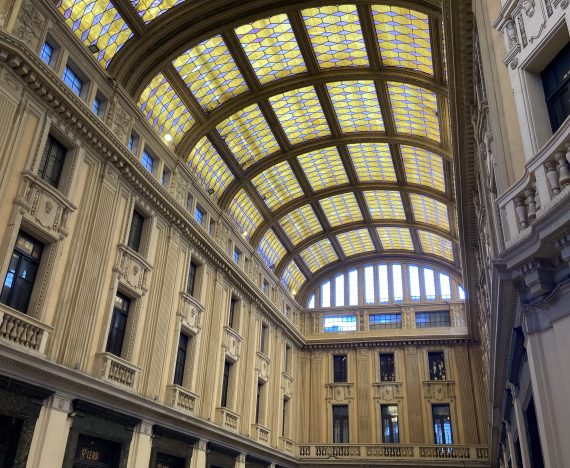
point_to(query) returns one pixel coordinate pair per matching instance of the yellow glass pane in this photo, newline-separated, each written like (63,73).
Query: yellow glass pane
(423,167)
(356,106)
(245,213)
(355,242)
(164,110)
(96,22)
(341,209)
(271,249)
(403,36)
(323,168)
(430,211)
(415,110)
(300,224)
(435,244)
(373,162)
(277,185)
(207,165)
(151,9)
(385,204)
(293,277)
(395,238)
(336,37)
(271,47)
(319,255)
(300,114)
(211,73)
(248,136)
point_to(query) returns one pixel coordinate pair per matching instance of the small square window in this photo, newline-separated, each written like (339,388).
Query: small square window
(133,142)
(199,215)
(237,255)
(147,161)
(72,80)
(99,105)
(47,54)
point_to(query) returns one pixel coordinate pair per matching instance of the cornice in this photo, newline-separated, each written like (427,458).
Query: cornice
(447,340)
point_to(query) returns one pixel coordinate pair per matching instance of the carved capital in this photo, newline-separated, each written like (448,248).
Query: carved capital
(537,275)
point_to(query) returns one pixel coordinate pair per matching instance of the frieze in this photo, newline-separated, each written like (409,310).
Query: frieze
(388,391)
(340,392)
(132,271)
(439,390)
(30,25)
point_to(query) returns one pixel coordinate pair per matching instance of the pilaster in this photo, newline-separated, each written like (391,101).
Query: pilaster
(199,455)
(141,445)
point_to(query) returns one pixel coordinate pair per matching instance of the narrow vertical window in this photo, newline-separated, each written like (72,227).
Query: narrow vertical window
(53,161)
(133,143)
(340,424)
(191,283)
(236,255)
(135,234)
(311,304)
(533,435)
(339,290)
(263,342)
(429,282)
(340,368)
(180,365)
(287,359)
(285,417)
(46,54)
(326,294)
(165,178)
(436,362)
(147,161)
(383,287)
(118,326)
(225,384)
(353,287)
(442,425)
(199,215)
(232,312)
(398,287)
(444,286)
(387,368)
(258,402)
(390,429)
(461,293)
(21,275)
(369,285)
(414,274)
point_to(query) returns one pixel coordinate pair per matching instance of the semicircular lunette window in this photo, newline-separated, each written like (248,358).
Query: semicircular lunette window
(322,131)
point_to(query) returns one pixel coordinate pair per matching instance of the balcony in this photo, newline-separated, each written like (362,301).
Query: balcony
(190,312)
(287,445)
(116,370)
(232,344)
(180,398)
(19,329)
(260,433)
(262,366)
(227,418)
(467,455)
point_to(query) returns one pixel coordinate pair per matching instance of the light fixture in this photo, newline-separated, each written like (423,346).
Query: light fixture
(244,234)
(168,138)
(293,292)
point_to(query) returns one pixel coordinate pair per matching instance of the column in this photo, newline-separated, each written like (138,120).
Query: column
(50,434)
(199,454)
(240,461)
(141,445)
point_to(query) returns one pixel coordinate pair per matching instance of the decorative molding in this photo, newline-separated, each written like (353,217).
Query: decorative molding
(388,392)
(340,392)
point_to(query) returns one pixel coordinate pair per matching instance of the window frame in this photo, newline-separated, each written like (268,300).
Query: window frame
(340,368)
(48,161)
(181,359)
(115,342)
(393,437)
(343,432)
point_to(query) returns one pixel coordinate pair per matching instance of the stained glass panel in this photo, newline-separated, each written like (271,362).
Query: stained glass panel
(395,238)
(300,224)
(207,165)
(323,168)
(271,47)
(356,106)
(271,249)
(245,213)
(423,168)
(373,162)
(293,277)
(152,9)
(341,209)
(385,204)
(211,73)
(355,242)
(436,245)
(277,185)
(164,110)
(430,211)
(319,254)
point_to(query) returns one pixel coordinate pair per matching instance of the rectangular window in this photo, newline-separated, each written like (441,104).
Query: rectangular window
(21,275)
(461,293)
(288,358)
(258,402)
(181,359)
(429,282)
(191,283)
(433,319)
(199,215)
(212,228)
(133,143)
(232,312)
(339,290)
(340,424)
(398,287)
(263,343)
(237,255)
(390,429)
(165,178)
(326,294)
(436,363)
(46,54)
(147,161)
(353,287)
(340,368)
(556,85)
(118,326)
(99,105)
(444,286)
(72,80)
(285,417)
(442,424)
(384,321)
(288,312)
(387,367)
(369,285)
(52,162)
(265,287)
(135,234)
(533,436)
(414,274)
(311,304)
(383,287)
(225,384)
(340,323)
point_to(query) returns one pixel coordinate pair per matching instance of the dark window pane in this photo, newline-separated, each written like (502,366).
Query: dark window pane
(384,321)
(169,461)
(118,325)
(387,373)
(436,364)
(258,402)
(535,449)
(232,312)
(191,278)
(390,429)
(225,384)
(442,424)
(135,233)
(340,424)
(53,160)
(433,319)
(340,368)
(556,84)
(181,359)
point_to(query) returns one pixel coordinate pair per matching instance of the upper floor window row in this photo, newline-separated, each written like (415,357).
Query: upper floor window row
(385,283)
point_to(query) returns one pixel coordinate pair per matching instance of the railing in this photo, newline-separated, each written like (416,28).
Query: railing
(285,444)
(181,398)
(545,185)
(21,330)
(117,370)
(260,433)
(472,453)
(227,418)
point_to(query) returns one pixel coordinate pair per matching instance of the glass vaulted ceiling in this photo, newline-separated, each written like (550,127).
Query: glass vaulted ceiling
(322,131)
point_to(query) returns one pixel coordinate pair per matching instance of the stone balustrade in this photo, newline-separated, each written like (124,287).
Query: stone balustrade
(286,444)
(478,455)
(24,331)
(545,186)
(116,370)
(227,418)
(232,344)
(260,433)
(181,398)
